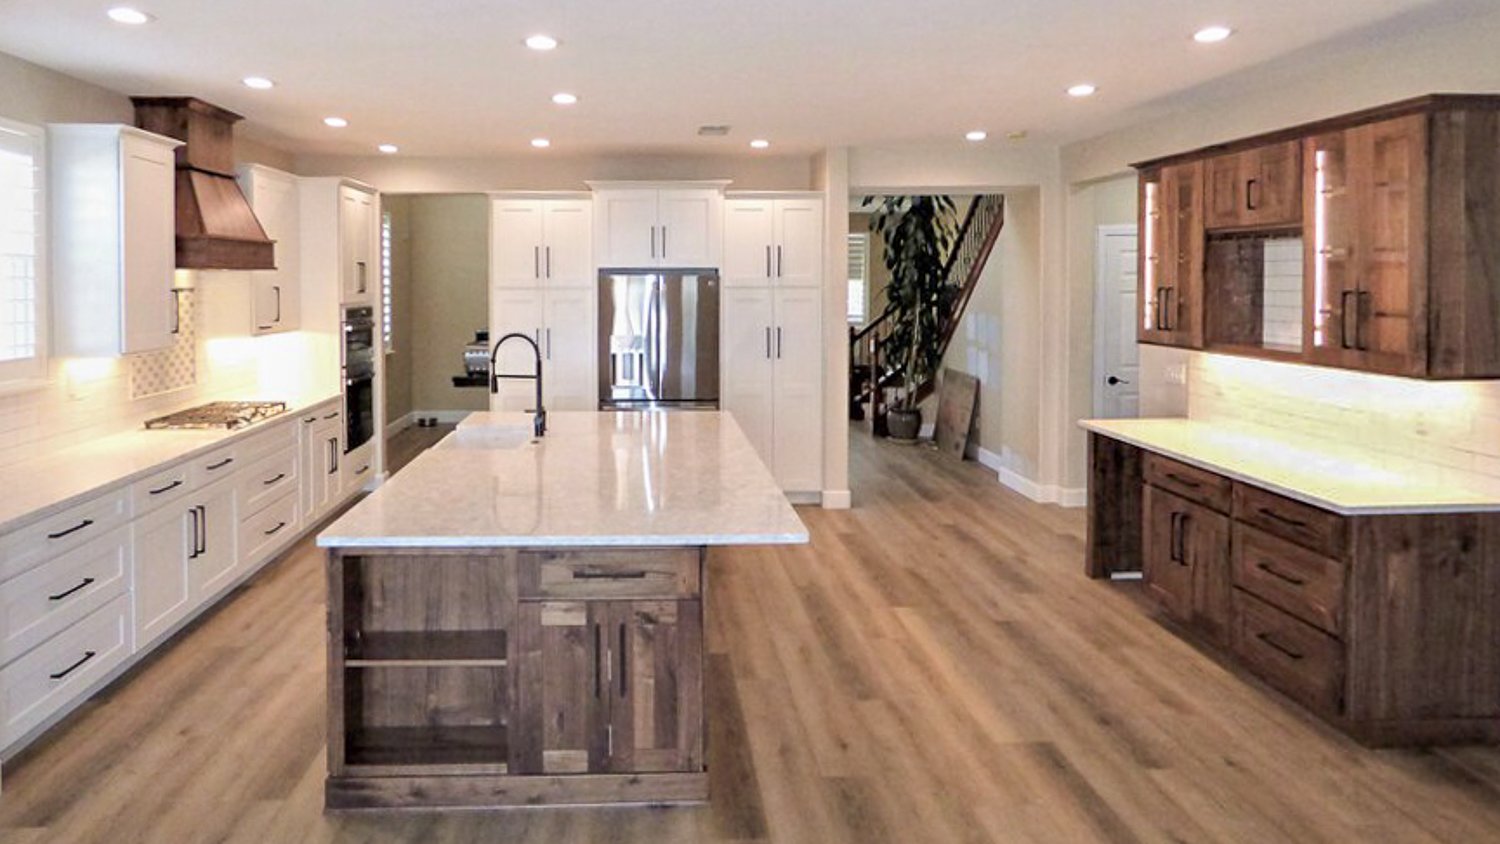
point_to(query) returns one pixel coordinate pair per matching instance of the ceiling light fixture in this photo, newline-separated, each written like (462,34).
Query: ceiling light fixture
(1212,34)
(977,135)
(335,122)
(540,143)
(127,15)
(1082,89)
(541,42)
(565,99)
(259,83)
(760,143)
(389,149)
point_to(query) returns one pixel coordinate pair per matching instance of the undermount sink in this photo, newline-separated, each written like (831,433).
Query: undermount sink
(487,438)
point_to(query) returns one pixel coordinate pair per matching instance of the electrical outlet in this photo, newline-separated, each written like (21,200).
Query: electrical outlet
(1176,374)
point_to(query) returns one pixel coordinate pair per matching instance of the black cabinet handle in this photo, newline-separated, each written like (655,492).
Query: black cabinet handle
(193,513)
(768,342)
(203,534)
(1250,194)
(1345,334)
(1286,520)
(1280,575)
(1184,481)
(768,260)
(1275,645)
(309,420)
(333,415)
(664,241)
(549,262)
(598,643)
(778,342)
(634,574)
(779,272)
(269,481)
(1361,298)
(168,488)
(536,262)
(277,288)
(74,529)
(87,581)
(87,655)
(361,470)
(272,531)
(624,688)
(1178,548)
(221,464)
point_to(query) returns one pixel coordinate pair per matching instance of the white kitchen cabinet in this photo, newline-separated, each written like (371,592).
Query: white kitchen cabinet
(541,242)
(160,589)
(321,442)
(215,563)
(356,470)
(641,226)
(358,270)
(113,239)
(515,312)
(774,241)
(275,295)
(42,684)
(772,371)
(561,322)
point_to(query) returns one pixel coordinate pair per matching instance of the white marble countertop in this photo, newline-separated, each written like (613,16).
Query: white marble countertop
(595,479)
(41,486)
(1338,477)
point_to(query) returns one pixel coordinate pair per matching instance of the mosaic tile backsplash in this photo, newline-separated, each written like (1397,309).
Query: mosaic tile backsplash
(173,369)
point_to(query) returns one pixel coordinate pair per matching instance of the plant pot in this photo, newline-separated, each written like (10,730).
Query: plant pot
(904,424)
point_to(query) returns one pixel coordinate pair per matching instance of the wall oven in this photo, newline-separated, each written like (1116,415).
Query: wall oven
(361,344)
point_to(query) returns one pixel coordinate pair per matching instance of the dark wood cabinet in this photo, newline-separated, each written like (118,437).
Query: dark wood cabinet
(561,706)
(1171,257)
(655,696)
(1259,187)
(1186,559)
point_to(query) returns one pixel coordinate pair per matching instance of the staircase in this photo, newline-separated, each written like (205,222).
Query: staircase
(871,375)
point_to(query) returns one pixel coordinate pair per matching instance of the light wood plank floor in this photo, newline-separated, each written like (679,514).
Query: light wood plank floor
(934,667)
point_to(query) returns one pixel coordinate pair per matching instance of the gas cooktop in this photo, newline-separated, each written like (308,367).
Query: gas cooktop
(220,414)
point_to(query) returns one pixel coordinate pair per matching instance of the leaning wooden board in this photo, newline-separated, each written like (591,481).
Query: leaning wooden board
(956,401)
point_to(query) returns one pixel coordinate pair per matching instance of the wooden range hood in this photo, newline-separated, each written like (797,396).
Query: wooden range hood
(216,230)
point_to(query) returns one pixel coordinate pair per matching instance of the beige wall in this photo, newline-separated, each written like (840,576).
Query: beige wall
(398,364)
(448,297)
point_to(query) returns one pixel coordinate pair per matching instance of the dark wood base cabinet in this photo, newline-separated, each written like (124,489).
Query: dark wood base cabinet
(515,677)
(1387,626)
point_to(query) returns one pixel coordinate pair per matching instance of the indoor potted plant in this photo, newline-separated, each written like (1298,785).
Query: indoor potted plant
(918,233)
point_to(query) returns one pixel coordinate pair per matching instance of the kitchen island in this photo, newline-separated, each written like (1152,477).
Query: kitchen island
(519,621)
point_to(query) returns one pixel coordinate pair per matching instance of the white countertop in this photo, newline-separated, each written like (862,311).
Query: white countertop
(41,486)
(1337,477)
(595,479)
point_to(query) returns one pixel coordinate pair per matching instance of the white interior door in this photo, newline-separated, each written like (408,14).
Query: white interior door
(749,235)
(515,243)
(515,311)
(797,351)
(567,245)
(746,370)
(568,349)
(799,243)
(1116,357)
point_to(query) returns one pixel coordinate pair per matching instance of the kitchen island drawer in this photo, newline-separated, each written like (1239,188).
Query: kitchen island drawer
(1289,653)
(1190,482)
(609,573)
(1321,530)
(50,677)
(1290,577)
(47,537)
(48,599)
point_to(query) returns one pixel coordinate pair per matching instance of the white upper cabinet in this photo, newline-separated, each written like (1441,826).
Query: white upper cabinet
(358,268)
(643,227)
(276,295)
(113,239)
(541,243)
(773,241)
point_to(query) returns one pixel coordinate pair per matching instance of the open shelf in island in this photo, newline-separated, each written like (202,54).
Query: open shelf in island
(426,649)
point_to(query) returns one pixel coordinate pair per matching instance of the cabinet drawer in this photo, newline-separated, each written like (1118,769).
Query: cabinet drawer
(219,463)
(170,484)
(56,594)
(1291,578)
(269,528)
(607,573)
(1190,482)
(1303,524)
(354,469)
(46,538)
(268,479)
(1290,654)
(59,670)
(281,436)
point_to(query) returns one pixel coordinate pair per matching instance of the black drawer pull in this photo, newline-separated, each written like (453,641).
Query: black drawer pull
(87,581)
(87,655)
(361,470)
(221,464)
(309,420)
(1275,645)
(272,531)
(1286,520)
(168,488)
(1280,575)
(1184,481)
(74,529)
(609,575)
(333,415)
(269,481)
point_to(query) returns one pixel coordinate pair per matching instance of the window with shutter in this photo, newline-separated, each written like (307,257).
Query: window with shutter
(859,261)
(22,254)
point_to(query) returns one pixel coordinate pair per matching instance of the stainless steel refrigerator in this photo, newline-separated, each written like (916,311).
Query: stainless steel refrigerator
(658,339)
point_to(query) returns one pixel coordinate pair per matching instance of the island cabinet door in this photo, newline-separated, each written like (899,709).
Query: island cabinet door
(656,687)
(561,701)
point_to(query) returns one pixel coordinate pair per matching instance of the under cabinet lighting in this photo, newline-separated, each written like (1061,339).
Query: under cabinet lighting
(1212,34)
(129,16)
(389,149)
(259,83)
(335,122)
(1082,89)
(541,42)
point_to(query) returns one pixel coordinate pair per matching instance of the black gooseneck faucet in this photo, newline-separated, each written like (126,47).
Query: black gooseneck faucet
(539,423)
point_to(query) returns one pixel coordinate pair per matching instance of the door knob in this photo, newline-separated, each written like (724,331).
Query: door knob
(1112,381)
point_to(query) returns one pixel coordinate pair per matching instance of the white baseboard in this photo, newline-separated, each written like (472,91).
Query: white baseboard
(837,499)
(1041,493)
(400,424)
(804,497)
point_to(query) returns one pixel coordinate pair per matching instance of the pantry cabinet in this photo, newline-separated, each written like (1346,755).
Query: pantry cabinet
(359,271)
(541,242)
(113,234)
(275,295)
(645,225)
(775,241)
(561,323)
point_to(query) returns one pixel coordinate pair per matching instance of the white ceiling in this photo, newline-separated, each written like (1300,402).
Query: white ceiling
(451,77)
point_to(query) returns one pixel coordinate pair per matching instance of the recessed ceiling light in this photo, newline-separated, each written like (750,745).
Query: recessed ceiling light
(1083,89)
(760,143)
(540,143)
(335,122)
(1212,34)
(541,42)
(977,135)
(565,99)
(389,149)
(259,83)
(127,15)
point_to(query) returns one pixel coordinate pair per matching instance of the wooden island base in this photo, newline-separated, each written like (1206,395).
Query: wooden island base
(515,677)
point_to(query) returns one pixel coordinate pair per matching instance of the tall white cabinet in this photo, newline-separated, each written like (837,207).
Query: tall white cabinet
(275,295)
(772,330)
(542,285)
(640,225)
